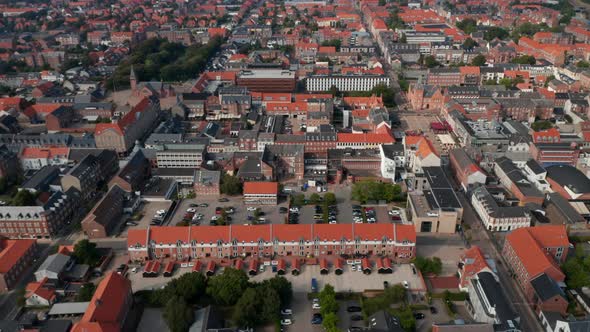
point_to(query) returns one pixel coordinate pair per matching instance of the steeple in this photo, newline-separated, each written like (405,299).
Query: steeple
(132,79)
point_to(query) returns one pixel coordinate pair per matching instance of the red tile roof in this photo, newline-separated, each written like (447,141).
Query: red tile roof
(137,236)
(528,244)
(249,234)
(209,234)
(256,188)
(44,153)
(365,138)
(12,251)
(292,233)
(107,304)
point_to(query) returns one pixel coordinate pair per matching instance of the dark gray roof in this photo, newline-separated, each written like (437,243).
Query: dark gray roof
(569,215)
(492,207)
(570,177)
(392,150)
(42,179)
(55,263)
(546,288)
(535,166)
(494,295)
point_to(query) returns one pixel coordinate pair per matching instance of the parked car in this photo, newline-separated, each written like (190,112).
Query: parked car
(223,200)
(203,205)
(406,284)
(286,312)
(131,223)
(251,208)
(353,308)
(286,321)
(316,319)
(394,213)
(433,310)
(419,315)
(356,318)
(191,210)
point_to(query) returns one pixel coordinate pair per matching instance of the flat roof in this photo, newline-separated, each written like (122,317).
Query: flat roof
(446,139)
(266,73)
(69,308)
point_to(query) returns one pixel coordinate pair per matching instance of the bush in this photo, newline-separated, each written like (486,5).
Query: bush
(428,265)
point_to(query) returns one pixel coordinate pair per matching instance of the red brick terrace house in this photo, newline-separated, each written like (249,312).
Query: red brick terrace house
(108,308)
(184,243)
(15,257)
(534,255)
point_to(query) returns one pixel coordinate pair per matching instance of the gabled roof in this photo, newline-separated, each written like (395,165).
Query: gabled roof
(12,251)
(109,300)
(254,188)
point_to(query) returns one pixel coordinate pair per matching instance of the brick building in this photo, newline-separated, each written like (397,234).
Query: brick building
(537,252)
(105,215)
(261,193)
(15,257)
(207,183)
(184,243)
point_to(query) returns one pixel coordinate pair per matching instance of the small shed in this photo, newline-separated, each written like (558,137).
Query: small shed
(295,267)
(387,265)
(366,264)
(324,266)
(338,263)
(210,268)
(197,266)
(155,269)
(281,267)
(147,269)
(169,269)
(253,267)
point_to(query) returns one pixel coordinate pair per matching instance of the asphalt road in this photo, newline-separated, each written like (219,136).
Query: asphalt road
(528,320)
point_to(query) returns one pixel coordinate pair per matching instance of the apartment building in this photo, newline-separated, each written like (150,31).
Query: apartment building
(345,82)
(496,217)
(105,215)
(261,193)
(40,221)
(181,243)
(180,156)
(16,256)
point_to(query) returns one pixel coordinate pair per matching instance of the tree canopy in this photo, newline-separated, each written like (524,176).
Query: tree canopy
(226,288)
(178,315)
(467,25)
(261,303)
(364,191)
(577,269)
(524,60)
(85,252)
(541,125)
(159,59)
(495,32)
(479,60)
(428,265)
(230,185)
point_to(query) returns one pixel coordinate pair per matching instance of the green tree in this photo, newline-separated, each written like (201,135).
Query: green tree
(314,198)
(332,42)
(298,200)
(270,303)
(330,321)
(469,43)
(246,310)
(479,60)
(282,286)
(328,301)
(395,294)
(583,64)
(495,32)
(226,288)
(430,61)
(330,199)
(406,317)
(577,269)
(23,198)
(382,2)
(190,286)
(467,25)
(178,315)
(86,292)
(524,60)
(230,185)
(541,125)
(85,252)
(428,265)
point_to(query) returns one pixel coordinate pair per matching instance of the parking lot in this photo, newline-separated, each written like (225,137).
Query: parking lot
(240,215)
(147,210)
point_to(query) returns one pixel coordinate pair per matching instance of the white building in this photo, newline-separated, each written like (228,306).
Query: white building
(346,82)
(495,217)
(488,304)
(180,156)
(392,159)
(537,175)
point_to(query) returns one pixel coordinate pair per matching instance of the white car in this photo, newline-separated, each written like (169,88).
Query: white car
(316,306)
(353,268)
(161,211)
(286,312)
(394,213)
(214,218)
(286,321)
(251,208)
(134,270)
(406,284)
(332,222)
(359,221)
(191,210)
(294,209)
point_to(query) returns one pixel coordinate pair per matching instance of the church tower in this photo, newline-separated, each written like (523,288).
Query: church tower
(132,79)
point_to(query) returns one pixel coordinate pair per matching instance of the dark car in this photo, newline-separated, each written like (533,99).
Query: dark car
(356,318)
(283,210)
(203,205)
(353,308)
(385,284)
(317,319)
(433,310)
(193,205)
(419,315)
(223,200)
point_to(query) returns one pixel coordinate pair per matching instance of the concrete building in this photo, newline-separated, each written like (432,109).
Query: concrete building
(433,204)
(392,160)
(318,83)
(270,80)
(392,240)
(261,193)
(180,156)
(496,217)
